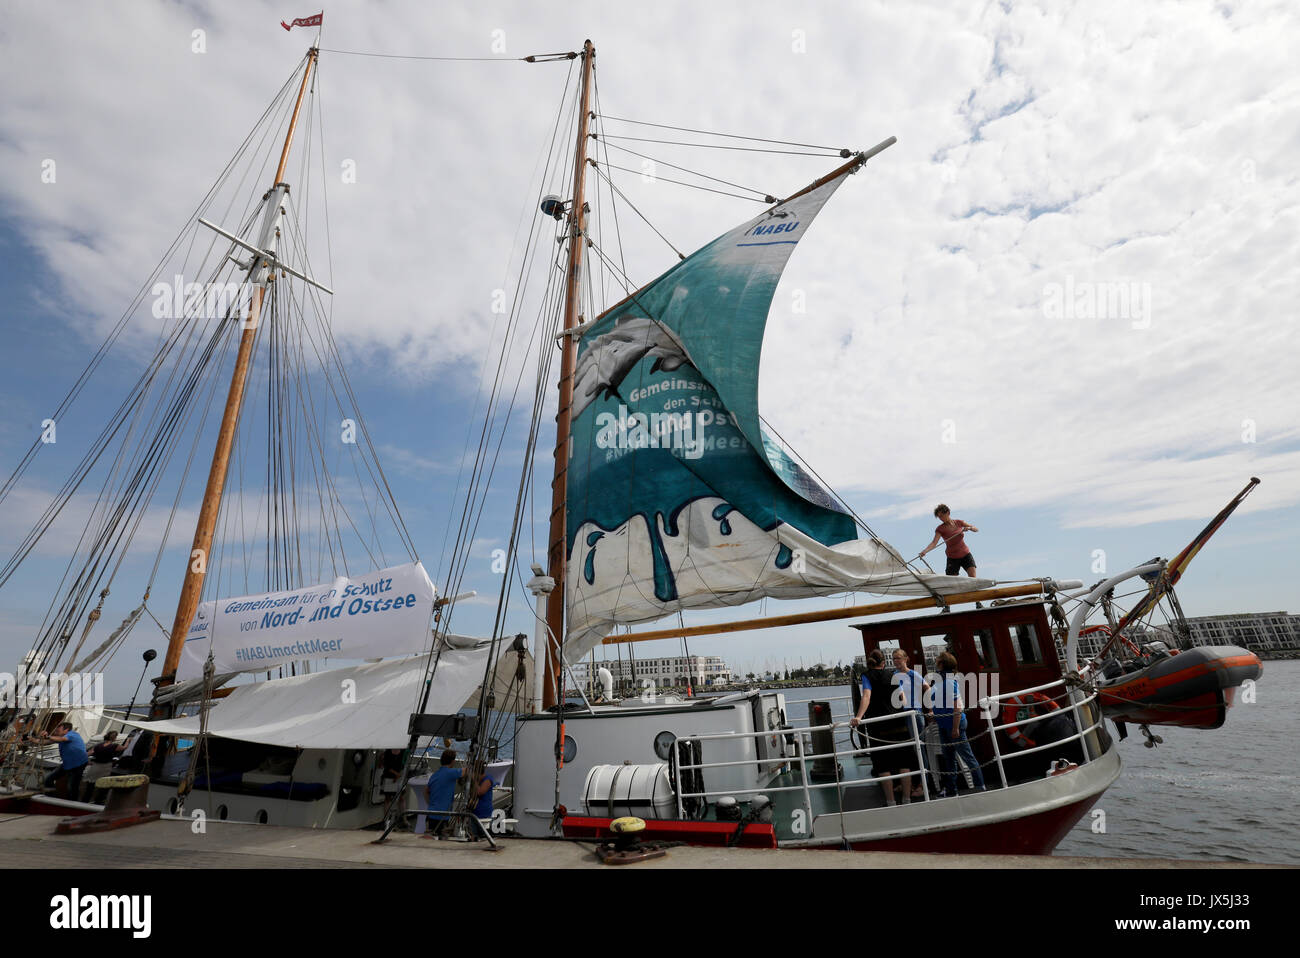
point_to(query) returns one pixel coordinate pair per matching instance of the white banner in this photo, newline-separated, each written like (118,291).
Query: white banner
(363,617)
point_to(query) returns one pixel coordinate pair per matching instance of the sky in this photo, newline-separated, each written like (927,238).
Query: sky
(1064,303)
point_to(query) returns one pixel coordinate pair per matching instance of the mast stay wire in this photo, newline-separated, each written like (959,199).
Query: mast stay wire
(523,277)
(839,151)
(480,477)
(613,186)
(767,196)
(481,473)
(713,146)
(545,331)
(693,186)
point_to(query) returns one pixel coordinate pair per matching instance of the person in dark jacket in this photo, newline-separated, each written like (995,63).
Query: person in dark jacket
(878,703)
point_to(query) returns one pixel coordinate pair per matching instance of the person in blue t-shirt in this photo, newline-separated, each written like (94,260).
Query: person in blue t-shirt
(912,690)
(950,717)
(441,792)
(72,758)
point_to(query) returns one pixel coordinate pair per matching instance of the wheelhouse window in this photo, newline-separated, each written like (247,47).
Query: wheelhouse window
(1024,641)
(932,646)
(988,655)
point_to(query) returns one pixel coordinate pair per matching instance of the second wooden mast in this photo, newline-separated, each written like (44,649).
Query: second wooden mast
(261,273)
(557,551)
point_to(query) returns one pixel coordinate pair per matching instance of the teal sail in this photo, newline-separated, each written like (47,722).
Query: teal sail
(676,496)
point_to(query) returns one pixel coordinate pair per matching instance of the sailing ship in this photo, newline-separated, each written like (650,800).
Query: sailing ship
(669,493)
(306,745)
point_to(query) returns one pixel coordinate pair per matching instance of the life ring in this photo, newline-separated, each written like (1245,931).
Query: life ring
(1019,708)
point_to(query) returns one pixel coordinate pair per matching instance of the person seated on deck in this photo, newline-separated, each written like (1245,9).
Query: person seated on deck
(101,764)
(950,717)
(878,702)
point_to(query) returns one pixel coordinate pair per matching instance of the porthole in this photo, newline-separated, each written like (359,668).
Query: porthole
(664,745)
(223,812)
(570,749)
(262,817)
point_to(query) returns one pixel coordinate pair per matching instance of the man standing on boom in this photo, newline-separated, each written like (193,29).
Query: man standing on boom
(953,531)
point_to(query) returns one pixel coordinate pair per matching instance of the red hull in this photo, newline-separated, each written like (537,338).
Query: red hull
(1032,835)
(25,806)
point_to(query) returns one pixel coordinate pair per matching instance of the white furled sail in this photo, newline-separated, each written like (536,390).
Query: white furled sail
(308,711)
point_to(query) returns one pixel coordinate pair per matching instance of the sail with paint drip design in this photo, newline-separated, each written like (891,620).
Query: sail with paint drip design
(677,497)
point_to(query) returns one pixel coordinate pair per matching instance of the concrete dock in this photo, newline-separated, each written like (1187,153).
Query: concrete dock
(28,841)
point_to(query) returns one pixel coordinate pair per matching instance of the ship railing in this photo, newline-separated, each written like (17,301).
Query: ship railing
(989,707)
(801,758)
(801,722)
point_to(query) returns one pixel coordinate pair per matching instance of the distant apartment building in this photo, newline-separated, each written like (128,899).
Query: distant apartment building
(700,671)
(1261,631)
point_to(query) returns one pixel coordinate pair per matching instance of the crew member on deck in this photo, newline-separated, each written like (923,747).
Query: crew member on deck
(952,532)
(72,756)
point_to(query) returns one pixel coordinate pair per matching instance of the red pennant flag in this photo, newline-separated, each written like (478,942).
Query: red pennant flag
(305,21)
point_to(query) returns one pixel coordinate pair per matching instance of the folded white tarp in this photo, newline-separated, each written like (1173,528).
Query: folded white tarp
(364,706)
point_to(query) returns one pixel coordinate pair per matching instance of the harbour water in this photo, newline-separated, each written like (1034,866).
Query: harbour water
(1226,794)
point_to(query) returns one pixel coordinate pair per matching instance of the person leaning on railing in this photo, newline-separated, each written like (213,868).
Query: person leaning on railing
(950,717)
(877,702)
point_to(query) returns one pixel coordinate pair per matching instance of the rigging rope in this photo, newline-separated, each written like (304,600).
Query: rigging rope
(533,58)
(845,152)
(711,146)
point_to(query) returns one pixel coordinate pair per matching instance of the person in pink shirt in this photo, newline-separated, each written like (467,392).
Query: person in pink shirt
(952,532)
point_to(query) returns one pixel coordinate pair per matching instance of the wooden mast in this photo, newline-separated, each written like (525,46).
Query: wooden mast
(259,275)
(557,554)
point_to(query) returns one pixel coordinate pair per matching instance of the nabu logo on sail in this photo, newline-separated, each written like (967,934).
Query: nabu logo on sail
(767,228)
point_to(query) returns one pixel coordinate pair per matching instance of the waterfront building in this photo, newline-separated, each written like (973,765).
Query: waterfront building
(1257,631)
(701,671)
